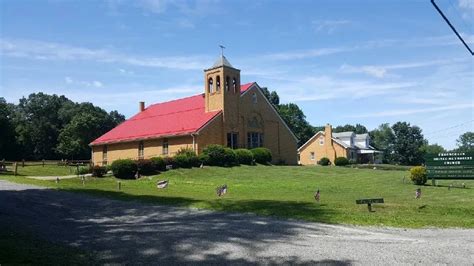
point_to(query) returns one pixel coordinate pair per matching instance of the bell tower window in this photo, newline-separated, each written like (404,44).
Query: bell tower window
(227,81)
(210,88)
(234,85)
(218,83)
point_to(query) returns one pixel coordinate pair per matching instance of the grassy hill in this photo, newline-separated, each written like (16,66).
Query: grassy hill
(286,191)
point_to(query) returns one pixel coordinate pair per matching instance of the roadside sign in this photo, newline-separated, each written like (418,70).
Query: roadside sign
(450,165)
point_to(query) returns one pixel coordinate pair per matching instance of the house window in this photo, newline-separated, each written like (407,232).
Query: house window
(141,150)
(321,140)
(165,147)
(227,81)
(311,156)
(104,155)
(254,140)
(210,85)
(254,98)
(218,83)
(234,85)
(233,140)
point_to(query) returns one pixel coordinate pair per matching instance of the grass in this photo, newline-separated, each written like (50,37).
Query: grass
(47,170)
(286,191)
(22,247)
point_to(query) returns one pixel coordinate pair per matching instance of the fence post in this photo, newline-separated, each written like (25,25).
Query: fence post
(23,163)
(43,162)
(15,167)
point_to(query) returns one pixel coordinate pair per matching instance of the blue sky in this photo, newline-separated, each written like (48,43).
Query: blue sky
(367,62)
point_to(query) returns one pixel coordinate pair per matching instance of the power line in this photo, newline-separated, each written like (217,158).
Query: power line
(451,26)
(444,129)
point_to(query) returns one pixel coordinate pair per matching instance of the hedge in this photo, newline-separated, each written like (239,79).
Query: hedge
(341,161)
(262,155)
(324,161)
(124,169)
(98,171)
(158,163)
(145,167)
(244,156)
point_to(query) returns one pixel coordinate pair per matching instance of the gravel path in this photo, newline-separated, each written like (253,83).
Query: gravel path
(139,233)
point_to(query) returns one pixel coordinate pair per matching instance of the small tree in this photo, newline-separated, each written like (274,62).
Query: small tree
(418,175)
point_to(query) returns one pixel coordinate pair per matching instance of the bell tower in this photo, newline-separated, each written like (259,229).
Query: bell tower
(222,92)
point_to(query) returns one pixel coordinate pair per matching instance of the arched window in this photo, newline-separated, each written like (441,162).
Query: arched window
(227,81)
(234,85)
(218,83)
(254,98)
(210,88)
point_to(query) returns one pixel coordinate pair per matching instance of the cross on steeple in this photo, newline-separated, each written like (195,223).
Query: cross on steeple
(222,49)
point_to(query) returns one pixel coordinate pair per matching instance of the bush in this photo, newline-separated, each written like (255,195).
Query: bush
(324,161)
(186,151)
(215,155)
(204,158)
(169,161)
(145,167)
(82,170)
(99,171)
(158,163)
(341,161)
(186,158)
(352,161)
(124,169)
(230,158)
(244,156)
(262,155)
(418,175)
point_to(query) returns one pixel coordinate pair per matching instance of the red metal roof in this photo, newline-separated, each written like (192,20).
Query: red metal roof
(178,117)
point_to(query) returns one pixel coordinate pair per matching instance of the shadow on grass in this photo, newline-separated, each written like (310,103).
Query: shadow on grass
(138,233)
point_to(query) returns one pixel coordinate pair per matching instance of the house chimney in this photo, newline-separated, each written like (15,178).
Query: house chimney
(141,106)
(330,152)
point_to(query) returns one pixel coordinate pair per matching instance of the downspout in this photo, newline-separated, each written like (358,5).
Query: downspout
(194,142)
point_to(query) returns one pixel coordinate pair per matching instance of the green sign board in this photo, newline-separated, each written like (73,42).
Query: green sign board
(450,165)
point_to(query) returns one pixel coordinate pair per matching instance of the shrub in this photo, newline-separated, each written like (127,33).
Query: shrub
(341,161)
(352,161)
(145,167)
(215,155)
(186,158)
(82,170)
(262,155)
(186,151)
(99,171)
(230,158)
(418,175)
(203,158)
(169,161)
(124,169)
(158,163)
(324,161)
(244,156)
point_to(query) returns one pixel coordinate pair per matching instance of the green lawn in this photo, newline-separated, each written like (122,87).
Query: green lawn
(47,170)
(286,191)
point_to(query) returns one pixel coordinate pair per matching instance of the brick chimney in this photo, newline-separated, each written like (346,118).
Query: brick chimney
(141,106)
(330,152)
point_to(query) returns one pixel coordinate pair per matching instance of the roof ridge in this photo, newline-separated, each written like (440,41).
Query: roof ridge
(179,99)
(165,114)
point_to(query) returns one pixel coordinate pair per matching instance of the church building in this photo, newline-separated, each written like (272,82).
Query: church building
(227,113)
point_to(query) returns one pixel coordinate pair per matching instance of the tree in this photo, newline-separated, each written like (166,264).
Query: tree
(465,142)
(358,129)
(432,148)
(7,131)
(382,139)
(272,96)
(296,121)
(407,144)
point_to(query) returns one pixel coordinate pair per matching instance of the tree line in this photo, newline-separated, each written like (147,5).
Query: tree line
(401,142)
(46,126)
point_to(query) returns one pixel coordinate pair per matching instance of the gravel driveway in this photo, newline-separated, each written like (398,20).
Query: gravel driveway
(140,233)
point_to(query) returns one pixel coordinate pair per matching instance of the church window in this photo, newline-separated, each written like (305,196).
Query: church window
(254,140)
(312,156)
(232,140)
(104,155)
(234,85)
(218,83)
(165,147)
(227,81)
(210,84)
(141,150)
(254,98)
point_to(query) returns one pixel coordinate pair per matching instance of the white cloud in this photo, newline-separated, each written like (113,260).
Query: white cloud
(97,84)
(467,7)
(68,80)
(380,71)
(399,112)
(329,26)
(38,50)
(94,83)
(302,54)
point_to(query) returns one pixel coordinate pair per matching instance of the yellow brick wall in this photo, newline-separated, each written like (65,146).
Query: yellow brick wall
(211,134)
(129,150)
(320,151)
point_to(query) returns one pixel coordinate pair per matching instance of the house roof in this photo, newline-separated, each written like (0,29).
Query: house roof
(178,117)
(346,134)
